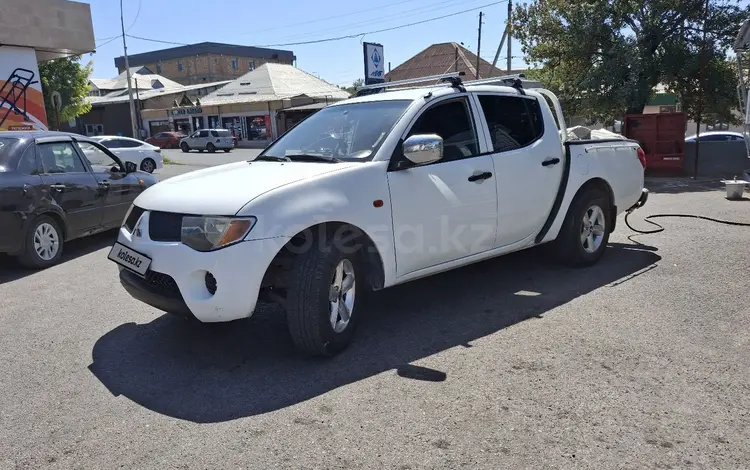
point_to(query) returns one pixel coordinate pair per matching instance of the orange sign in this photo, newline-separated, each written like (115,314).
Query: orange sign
(21,98)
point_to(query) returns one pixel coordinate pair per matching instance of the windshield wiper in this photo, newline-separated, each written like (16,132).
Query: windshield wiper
(312,157)
(271,158)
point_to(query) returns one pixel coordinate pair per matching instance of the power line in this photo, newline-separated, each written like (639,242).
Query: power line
(332,17)
(350,36)
(112,38)
(108,41)
(432,8)
(338,38)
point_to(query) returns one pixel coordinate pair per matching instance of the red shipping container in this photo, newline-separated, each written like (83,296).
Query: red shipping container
(662,137)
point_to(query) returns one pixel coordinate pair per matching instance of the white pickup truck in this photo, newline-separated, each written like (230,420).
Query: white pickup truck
(374,191)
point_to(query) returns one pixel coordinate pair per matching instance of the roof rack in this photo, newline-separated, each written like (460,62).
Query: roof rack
(454,78)
(517,81)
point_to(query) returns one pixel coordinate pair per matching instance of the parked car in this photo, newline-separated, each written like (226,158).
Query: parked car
(166,140)
(717,136)
(210,140)
(372,192)
(55,187)
(147,157)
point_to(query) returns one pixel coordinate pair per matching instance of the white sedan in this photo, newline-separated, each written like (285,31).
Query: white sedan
(147,157)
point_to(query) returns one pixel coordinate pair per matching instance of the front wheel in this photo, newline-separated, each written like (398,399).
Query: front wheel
(148,165)
(184,147)
(585,231)
(321,308)
(44,244)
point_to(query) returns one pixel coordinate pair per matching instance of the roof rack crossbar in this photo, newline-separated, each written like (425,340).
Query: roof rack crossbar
(442,77)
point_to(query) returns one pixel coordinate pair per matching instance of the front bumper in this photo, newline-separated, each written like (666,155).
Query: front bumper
(177,278)
(641,201)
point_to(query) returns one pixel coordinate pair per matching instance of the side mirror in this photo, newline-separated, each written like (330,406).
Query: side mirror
(130,167)
(422,149)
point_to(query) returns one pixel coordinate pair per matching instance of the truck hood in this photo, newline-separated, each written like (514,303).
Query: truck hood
(225,189)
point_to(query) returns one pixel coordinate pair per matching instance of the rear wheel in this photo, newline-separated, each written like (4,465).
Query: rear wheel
(210,147)
(585,232)
(321,309)
(44,244)
(148,165)
(184,147)
(227,150)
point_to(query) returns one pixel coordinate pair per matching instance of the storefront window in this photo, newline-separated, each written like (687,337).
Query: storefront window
(155,127)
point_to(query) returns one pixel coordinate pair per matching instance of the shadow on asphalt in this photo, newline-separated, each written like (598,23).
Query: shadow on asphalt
(11,270)
(219,372)
(679,185)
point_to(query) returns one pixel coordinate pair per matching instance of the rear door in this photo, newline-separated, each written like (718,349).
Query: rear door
(126,149)
(527,155)
(68,183)
(118,189)
(19,195)
(222,137)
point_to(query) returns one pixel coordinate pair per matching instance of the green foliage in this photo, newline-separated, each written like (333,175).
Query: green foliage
(605,57)
(353,89)
(69,78)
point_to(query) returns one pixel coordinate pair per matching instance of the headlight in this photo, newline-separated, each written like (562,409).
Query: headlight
(209,233)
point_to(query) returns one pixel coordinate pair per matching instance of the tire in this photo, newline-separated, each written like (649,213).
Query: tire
(227,150)
(210,147)
(571,247)
(40,229)
(184,147)
(148,165)
(308,302)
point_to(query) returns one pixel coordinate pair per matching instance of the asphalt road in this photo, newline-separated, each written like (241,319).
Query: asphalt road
(638,362)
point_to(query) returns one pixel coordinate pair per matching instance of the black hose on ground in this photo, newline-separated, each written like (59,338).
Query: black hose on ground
(684,216)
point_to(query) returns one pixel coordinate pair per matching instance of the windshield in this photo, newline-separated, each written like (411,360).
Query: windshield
(352,132)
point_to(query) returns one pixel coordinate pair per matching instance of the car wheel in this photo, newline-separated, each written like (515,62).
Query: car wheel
(44,244)
(585,231)
(321,308)
(184,147)
(210,147)
(148,165)
(227,150)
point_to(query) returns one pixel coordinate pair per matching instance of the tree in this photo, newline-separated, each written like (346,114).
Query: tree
(353,89)
(605,57)
(69,78)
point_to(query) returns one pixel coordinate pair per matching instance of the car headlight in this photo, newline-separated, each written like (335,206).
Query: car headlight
(210,233)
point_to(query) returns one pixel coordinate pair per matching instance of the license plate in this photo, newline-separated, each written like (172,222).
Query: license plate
(129,258)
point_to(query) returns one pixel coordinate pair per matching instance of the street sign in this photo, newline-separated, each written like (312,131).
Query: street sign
(374,63)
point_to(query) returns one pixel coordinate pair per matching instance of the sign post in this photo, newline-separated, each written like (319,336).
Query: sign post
(374,63)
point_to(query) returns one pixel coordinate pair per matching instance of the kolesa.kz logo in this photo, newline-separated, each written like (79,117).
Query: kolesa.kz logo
(130,259)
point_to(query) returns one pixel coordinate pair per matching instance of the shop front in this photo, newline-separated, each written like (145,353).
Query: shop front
(156,126)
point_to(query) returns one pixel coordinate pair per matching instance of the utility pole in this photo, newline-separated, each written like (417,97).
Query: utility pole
(479,44)
(509,29)
(133,123)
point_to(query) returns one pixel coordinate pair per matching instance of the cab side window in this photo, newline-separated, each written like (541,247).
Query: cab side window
(60,157)
(452,121)
(203,134)
(28,165)
(514,122)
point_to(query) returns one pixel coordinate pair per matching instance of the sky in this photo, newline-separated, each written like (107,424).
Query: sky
(265,23)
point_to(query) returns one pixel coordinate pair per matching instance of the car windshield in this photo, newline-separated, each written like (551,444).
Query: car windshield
(351,132)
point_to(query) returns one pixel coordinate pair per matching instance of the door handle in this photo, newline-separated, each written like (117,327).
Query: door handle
(57,187)
(480,176)
(104,184)
(27,190)
(551,161)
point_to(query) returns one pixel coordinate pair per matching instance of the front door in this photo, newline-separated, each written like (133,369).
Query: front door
(67,181)
(529,161)
(118,189)
(442,211)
